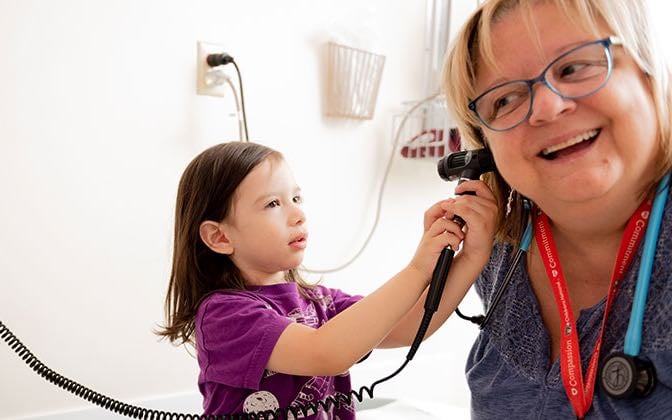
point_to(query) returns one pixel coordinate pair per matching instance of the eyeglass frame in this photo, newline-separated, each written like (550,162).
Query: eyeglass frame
(606,43)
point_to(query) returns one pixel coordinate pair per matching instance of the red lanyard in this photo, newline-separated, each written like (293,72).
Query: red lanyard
(580,392)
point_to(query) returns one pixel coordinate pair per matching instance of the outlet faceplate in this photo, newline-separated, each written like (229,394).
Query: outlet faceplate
(218,88)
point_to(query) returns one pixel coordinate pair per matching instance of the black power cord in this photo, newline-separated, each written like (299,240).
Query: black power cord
(222,59)
(476,319)
(482,320)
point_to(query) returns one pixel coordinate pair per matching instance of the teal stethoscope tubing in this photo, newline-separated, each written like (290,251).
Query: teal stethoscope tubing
(633,336)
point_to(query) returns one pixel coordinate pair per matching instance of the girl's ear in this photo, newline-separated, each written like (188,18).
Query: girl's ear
(213,235)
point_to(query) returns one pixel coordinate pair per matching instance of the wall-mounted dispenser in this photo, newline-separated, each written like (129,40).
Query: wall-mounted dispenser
(353,79)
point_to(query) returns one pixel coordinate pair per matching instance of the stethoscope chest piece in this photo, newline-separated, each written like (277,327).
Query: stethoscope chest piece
(624,376)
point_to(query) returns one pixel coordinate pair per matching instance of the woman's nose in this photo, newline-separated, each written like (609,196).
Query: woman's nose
(547,105)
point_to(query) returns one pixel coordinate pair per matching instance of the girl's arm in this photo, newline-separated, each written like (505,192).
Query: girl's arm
(480,214)
(343,340)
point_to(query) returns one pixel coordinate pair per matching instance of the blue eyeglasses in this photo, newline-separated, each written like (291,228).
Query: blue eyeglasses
(577,73)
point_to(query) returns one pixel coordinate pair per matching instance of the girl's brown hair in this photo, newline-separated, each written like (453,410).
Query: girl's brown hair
(206,192)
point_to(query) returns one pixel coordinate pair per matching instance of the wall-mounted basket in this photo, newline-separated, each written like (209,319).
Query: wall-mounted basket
(353,79)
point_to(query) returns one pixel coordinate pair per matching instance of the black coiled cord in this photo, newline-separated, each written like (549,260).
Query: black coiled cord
(136,412)
(336,400)
(83,392)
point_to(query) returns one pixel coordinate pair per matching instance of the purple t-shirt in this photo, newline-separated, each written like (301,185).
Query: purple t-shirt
(236,332)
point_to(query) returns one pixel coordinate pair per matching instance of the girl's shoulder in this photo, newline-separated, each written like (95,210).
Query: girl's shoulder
(320,291)
(281,298)
(227,297)
(239,311)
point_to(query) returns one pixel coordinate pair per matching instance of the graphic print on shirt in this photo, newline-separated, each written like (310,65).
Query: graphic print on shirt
(306,317)
(326,302)
(260,401)
(314,390)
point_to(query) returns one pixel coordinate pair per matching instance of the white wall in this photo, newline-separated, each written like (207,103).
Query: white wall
(98,118)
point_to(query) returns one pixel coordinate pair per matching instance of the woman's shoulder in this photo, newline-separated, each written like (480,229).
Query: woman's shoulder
(501,253)
(496,267)
(665,235)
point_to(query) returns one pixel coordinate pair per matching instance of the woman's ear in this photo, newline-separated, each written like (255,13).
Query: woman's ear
(213,235)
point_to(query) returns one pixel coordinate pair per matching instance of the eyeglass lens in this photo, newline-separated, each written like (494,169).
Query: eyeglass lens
(577,73)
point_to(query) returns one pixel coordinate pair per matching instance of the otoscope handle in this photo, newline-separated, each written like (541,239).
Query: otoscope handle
(441,269)
(469,168)
(458,219)
(439,279)
(433,297)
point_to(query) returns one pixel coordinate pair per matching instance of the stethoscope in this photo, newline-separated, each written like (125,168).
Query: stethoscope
(622,374)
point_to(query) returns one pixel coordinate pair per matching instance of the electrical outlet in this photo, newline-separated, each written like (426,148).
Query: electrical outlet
(205,83)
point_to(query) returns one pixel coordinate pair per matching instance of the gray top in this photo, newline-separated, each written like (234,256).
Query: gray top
(508,369)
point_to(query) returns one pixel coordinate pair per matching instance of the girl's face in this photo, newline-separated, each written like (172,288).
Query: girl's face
(615,127)
(266,226)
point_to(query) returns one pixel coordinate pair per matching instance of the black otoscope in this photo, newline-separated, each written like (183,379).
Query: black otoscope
(460,166)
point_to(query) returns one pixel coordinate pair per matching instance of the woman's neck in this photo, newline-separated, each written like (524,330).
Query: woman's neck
(591,224)
(587,239)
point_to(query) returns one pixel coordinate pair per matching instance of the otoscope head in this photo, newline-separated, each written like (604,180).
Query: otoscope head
(466,164)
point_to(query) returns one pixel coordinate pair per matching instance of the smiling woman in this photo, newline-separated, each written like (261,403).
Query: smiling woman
(573,101)
(615,104)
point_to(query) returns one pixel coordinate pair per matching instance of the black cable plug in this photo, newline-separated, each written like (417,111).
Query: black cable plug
(221,59)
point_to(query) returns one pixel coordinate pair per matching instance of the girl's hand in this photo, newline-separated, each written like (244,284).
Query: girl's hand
(479,213)
(439,232)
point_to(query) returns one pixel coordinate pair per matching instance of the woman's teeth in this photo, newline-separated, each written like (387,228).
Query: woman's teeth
(571,142)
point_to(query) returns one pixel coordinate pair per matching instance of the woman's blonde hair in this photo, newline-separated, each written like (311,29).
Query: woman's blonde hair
(630,20)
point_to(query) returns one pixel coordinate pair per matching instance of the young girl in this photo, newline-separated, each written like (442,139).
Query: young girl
(264,338)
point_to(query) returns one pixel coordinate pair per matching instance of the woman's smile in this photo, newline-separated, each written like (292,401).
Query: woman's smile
(571,146)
